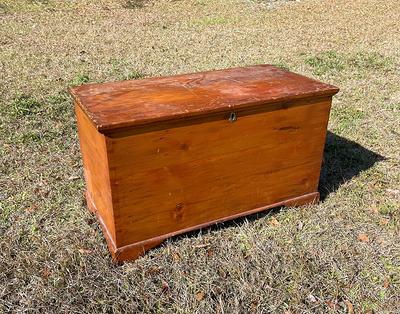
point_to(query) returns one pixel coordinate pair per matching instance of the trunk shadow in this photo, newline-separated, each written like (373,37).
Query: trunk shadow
(343,160)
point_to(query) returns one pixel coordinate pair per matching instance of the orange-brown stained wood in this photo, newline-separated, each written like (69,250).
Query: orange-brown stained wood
(125,104)
(183,176)
(169,162)
(96,170)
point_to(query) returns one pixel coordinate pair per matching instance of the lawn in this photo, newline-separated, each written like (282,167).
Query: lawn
(340,256)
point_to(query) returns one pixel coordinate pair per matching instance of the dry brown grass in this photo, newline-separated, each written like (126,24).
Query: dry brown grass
(339,254)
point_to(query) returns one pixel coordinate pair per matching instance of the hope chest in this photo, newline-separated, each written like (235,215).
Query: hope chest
(167,155)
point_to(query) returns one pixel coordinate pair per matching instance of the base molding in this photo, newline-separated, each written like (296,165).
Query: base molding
(135,250)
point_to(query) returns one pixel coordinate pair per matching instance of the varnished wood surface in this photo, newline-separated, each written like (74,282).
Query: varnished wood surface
(134,250)
(117,105)
(172,179)
(96,169)
(161,156)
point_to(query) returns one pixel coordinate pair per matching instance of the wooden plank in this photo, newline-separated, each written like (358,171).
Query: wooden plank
(95,165)
(117,105)
(184,176)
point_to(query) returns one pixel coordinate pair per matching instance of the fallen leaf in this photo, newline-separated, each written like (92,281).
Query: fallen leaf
(374,210)
(200,295)
(210,253)
(331,304)
(384,221)
(274,222)
(380,241)
(32,208)
(176,256)
(386,283)
(165,287)
(46,273)
(222,273)
(153,270)
(363,237)
(254,305)
(350,307)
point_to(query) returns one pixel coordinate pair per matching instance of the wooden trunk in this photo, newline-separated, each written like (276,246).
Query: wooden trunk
(164,156)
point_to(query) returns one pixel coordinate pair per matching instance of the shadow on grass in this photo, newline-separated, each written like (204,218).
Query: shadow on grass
(343,160)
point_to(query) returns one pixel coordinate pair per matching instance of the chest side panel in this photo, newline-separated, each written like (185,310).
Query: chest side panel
(171,179)
(95,165)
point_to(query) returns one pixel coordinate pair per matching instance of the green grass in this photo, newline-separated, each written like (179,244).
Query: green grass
(372,60)
(348,118)
(134,4)
(331,62)
(3,8)
(282,65)
(24,106)
(80,79)
(325,62)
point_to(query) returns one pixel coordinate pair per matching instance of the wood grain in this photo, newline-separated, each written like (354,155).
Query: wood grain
(135,250)
(184,176)
(117,105)
(162,157)
(95,164)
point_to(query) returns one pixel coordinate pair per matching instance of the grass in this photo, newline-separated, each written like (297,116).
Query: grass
(80,79)
(330,61)
(133,4)
(338,255)
(210,21)
(24,106)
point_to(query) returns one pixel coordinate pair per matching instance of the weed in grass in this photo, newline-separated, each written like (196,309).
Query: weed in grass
(388,208)
(346,118)
(5,212)
(38,122)
(3,8)
(371,60)
(24,105)
(31,136)
(271,4)
(330,62)
(368,306)
(210,21)
(37,136)
(282,65)
(134,75)
(80,79)
(395,107)
(39,2)
(202,2)
(134,4)
(325,62)
(59,106)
